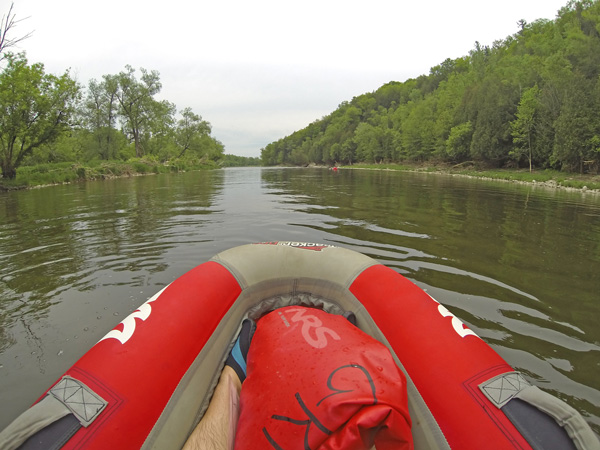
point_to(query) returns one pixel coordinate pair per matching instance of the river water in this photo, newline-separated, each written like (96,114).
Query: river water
(519,264)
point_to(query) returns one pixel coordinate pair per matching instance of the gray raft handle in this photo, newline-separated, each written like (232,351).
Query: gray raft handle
(36,418)
(502,389)
(567,417)
(68,396)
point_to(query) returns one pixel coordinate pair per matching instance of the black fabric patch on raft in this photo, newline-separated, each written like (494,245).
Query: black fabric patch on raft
(54,436)
(540,430)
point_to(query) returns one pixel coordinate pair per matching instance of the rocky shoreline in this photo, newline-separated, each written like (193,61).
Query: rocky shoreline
(549,184)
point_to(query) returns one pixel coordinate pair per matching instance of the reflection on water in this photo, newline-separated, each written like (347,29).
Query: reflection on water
(67,237)
(518,263)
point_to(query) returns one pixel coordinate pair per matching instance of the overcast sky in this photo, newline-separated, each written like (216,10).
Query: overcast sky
(260,70)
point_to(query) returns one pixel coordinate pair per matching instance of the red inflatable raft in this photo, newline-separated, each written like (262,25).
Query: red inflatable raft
(147,383)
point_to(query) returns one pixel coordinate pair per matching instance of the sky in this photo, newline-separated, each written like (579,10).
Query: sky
(260,70)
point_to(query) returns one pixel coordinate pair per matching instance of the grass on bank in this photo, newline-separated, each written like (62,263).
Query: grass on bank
(69,172)
(572,180)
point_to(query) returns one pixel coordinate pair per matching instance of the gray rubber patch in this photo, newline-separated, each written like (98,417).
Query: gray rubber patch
(499,390)
(84,403)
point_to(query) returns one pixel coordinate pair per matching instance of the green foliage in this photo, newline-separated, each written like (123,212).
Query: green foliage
(35,109)
(44,119)
(523,127)
(576,127)
(189,133)
(98,114)
(239,161)
(417,136)
(532,98)
(495,104)
(458,143)
(67,172)
(140,167)
(139,110)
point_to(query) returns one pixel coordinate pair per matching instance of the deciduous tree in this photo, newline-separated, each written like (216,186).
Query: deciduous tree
(35,108)
(523,127)
(99,113)
(189,132)
(136,99)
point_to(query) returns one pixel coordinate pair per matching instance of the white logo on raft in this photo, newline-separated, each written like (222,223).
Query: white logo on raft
(458,326)
(310,322)
(142,313)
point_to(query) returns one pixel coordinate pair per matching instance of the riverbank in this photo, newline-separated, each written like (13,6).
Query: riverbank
(548,178)
(69,172)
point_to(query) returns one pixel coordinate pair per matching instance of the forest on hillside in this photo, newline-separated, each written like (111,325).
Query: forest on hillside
(530,100)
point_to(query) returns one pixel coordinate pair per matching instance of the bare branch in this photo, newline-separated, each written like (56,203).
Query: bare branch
(9,22)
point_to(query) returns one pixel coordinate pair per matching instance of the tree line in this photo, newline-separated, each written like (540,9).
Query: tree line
(52,118)
(530,100)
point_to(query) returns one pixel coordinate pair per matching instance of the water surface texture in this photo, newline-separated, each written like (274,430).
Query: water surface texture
(519,264)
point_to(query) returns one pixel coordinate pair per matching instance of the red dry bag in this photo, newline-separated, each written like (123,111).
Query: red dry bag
(315,381)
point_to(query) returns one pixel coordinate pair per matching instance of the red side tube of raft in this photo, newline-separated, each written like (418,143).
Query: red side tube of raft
(136,383)
(445,360)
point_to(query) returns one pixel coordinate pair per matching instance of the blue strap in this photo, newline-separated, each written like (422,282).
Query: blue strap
(237,355)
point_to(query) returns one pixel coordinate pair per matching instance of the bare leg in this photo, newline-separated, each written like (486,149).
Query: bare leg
(216,430)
